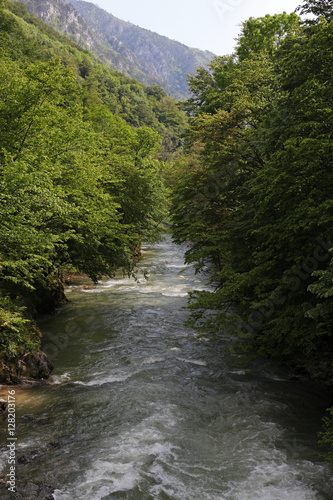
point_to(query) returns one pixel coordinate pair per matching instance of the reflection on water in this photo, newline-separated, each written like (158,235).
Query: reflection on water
(139,409)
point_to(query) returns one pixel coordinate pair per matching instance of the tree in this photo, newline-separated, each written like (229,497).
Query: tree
(264,35)
(318,8)
(261,199)
(80,186)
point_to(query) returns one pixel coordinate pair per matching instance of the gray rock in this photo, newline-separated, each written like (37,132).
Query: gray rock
(26,490)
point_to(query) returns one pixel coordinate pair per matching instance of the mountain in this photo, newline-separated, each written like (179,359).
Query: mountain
(136,52)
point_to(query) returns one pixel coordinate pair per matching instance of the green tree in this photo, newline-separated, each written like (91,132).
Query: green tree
(80,188)
(264,35)
(260,199)
(318,8)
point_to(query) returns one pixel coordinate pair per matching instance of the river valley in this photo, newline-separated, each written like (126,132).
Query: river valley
(139,409)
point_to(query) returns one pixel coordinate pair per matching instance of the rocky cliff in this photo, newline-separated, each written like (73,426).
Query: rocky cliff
(136,52)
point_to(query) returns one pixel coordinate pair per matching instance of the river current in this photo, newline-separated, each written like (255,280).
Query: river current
(139,409)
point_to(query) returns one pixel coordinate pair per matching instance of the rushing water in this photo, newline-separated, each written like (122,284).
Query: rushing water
(138,409)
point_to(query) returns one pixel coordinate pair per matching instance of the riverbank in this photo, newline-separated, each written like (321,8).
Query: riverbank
(32,367)
(25,369)
(137,407)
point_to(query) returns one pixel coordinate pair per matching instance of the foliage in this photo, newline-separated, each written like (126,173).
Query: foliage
(81,177)
(136,52)
(266,34)
(258,207)
(323,289)
(326,436)
(26,38)
(257,203)
(16,333)
(317,9)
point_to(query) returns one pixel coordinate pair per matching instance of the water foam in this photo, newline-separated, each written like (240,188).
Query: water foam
(124,460)
(273,480)
(110,379)
(193,361)
(60,379)
(152,360)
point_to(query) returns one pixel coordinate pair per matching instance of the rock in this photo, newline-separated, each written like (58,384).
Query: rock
(32,454)
(3,406)
(37,365)
(301,370)
(50,297)
(294,378)
(319,376)
(25,368)
(26,490)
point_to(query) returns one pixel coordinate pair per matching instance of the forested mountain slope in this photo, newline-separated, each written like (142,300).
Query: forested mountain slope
(136,52)
(81,179)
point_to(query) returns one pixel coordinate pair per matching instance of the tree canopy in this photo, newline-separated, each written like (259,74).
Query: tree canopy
(82,154)
(258,206)
(256,199)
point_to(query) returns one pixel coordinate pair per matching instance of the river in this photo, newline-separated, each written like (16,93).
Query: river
(138,409)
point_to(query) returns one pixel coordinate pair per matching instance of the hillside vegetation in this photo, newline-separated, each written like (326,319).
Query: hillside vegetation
(256,201)
(138,53)
(82,154)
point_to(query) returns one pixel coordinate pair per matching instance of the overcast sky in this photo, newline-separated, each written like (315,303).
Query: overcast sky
(205,24)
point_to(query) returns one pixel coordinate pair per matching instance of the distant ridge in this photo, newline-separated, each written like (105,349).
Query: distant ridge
(136,52)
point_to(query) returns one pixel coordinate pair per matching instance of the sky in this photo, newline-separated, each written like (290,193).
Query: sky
(204,24)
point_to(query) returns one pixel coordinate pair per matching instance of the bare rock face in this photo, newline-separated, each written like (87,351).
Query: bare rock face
(25,368)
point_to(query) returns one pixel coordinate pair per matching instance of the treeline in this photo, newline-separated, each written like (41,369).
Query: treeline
(82,160)
(256,201)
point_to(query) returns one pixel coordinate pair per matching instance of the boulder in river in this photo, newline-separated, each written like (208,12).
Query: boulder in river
(24,368)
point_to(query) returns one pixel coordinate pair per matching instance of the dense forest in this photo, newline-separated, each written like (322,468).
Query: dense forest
(83,150)
(92,161)
(256,199)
